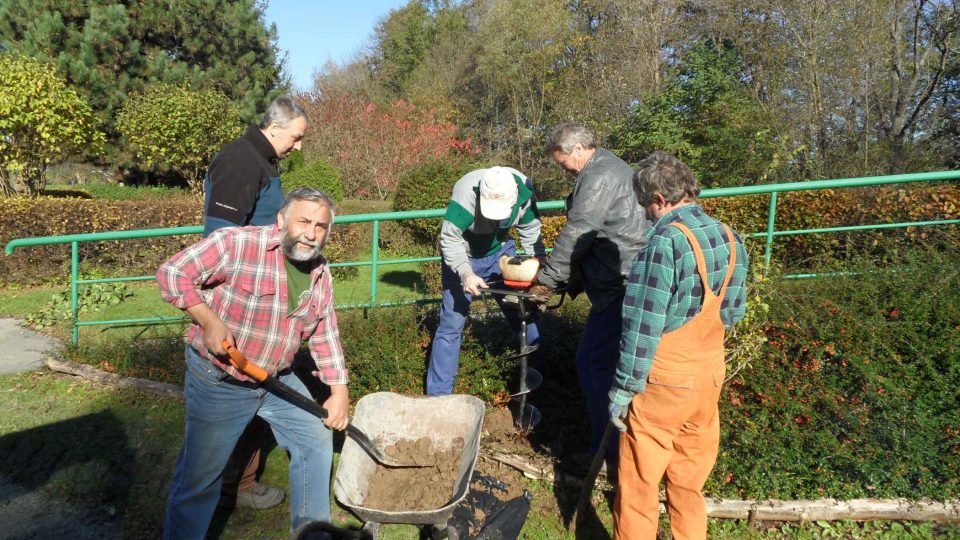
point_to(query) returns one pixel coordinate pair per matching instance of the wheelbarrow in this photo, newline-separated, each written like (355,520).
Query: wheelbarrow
(389,418)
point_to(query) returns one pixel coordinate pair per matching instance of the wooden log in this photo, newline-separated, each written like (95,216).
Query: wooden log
(727,508)
(102,377)
(528,469)
(833,509)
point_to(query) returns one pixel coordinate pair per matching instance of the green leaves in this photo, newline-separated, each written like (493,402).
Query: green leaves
(92,298)
(706,117)
(319,174)
(42,120)
(176,128)
(853,392)
(111,50)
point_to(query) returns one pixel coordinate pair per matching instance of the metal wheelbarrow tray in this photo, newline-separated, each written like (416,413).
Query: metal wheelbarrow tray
(388,418)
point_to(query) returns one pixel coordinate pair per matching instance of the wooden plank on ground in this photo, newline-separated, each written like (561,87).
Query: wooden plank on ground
(100,376)
(833,509)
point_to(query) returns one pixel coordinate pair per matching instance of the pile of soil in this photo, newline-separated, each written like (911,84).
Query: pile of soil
(500,431)
(415,489)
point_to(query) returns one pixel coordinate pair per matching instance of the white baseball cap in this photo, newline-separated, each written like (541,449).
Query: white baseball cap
(498,193)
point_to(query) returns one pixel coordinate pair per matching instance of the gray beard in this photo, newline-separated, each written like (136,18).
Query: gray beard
(289,247)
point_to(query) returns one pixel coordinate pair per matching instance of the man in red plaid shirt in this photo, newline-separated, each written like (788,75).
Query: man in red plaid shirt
(264,290)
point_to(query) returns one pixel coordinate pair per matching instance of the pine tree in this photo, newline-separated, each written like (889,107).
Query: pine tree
(109,50)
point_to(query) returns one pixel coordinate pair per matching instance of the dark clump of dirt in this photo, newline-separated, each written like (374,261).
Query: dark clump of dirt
(410,489)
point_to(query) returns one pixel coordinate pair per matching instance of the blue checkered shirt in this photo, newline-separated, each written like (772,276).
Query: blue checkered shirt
(664,291)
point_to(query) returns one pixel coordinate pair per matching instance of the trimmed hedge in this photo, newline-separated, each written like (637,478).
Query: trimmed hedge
(840,207)
(856,392)
(22,217)
(429,186)
(46,216)
(828,208)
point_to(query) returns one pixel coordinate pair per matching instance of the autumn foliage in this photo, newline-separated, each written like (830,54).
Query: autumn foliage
(372,145)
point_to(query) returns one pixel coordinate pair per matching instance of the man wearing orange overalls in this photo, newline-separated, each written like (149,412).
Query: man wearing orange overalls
(685,288)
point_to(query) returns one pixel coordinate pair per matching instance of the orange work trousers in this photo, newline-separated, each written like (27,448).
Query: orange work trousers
(673,427)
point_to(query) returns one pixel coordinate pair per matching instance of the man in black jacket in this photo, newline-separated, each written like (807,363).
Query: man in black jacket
(594,252)
(242,188)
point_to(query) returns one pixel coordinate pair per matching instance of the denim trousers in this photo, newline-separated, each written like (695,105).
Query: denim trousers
(216,414)
(445,355)
(596,361)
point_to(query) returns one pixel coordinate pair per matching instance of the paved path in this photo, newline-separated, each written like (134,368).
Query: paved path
(22,349)
(26,513)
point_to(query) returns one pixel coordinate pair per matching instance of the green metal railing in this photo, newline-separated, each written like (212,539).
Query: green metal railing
(375,262)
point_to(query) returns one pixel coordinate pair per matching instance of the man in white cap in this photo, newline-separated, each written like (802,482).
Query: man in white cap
(475,233)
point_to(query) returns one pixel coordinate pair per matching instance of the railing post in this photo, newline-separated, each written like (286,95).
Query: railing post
(770,219)
(374,260)
(74,296)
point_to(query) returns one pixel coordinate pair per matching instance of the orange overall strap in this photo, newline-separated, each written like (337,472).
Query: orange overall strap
(733,261)
(701,262)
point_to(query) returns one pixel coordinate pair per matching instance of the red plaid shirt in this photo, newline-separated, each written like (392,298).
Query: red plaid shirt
(239,272)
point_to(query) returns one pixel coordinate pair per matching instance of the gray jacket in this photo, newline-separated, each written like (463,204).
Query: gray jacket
(605,229)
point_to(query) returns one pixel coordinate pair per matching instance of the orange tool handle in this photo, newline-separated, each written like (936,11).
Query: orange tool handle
(240,362)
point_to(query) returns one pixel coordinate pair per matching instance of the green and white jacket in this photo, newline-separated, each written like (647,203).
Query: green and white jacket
(466,234)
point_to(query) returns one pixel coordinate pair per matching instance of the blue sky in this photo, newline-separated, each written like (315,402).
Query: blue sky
(314,31)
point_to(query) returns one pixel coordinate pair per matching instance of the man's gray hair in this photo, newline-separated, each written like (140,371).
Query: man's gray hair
(663,173)
(312,195)
(282,111)
(565,136)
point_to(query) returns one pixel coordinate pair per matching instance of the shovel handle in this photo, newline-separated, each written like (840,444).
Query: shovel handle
(240,362)
(285,392)
(584,500)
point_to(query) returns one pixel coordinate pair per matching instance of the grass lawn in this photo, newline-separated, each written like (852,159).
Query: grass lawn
(111,451)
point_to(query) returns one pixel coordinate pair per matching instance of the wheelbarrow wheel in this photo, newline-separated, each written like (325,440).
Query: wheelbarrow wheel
(439,532)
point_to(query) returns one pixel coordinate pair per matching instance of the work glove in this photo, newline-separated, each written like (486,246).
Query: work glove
(617,414)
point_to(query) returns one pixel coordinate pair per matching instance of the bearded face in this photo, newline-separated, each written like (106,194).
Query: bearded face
(304,227)
(298,248)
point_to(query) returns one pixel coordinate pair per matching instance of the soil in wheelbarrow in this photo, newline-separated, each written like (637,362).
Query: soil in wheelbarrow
(426,487)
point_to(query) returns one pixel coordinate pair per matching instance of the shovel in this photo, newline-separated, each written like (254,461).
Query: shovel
(273,385)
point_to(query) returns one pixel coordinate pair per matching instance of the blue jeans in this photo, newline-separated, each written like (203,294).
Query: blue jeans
(445,356)
(216,414)
(596,361)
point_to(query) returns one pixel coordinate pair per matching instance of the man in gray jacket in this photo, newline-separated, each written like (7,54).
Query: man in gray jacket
(594,252)
(485,204)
